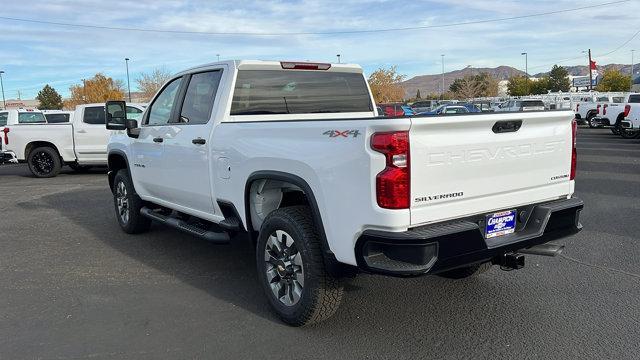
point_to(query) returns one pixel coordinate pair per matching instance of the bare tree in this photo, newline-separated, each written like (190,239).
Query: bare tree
(150,83)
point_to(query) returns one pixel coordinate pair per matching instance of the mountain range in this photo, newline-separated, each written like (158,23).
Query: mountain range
(430,84)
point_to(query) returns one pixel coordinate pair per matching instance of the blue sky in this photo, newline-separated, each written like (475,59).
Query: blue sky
(35,54)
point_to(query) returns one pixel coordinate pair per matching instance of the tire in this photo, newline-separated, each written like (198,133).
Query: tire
(44,162)
(465,272)
(127,205)
(293,276)
(629,134)
(591,121)
(615,131)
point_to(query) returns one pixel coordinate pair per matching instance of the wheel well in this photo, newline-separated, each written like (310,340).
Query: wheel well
(267,195)
(36,144)
(115,162)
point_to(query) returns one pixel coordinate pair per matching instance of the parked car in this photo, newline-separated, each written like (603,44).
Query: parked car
(585,112)
(460,108)
(522,105)
(630,125)
(396,110)
(13,117)
(484,106)
(80,144)
(423,106)
(324,189)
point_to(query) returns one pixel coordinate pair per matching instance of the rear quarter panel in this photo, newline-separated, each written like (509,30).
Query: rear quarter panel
(60,135)
(339,168)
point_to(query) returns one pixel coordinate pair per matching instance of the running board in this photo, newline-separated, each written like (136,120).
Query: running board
(214,237)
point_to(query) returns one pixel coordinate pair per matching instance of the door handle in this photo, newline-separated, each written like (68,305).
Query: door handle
(199,141)
(158,139)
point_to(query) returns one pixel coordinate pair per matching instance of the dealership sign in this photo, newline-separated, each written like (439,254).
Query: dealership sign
(583,81)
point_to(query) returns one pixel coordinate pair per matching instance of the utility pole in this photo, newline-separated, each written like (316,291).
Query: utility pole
(218,55)
(632,79)
(590,73)
(4,103)
(526,70)
(338,56)
(442,92)
(126,61)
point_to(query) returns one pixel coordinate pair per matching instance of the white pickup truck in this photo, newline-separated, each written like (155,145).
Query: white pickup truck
(12,117)
(612,113)
(80,143)
(630,125)
(294,155)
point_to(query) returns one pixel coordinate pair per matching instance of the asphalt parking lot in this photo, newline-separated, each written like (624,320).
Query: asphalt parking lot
(72,285)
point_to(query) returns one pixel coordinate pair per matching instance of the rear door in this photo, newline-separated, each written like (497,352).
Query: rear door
(187,165)
(90,136)
(460,166)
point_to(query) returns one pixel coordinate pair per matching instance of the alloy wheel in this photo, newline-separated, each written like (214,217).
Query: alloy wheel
(284,268)
(43,163)
(122,202)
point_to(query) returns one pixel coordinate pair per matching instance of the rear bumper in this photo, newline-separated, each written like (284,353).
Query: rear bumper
(7,156)
(445,246)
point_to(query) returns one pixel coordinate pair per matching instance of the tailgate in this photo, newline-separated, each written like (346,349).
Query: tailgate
(461,167)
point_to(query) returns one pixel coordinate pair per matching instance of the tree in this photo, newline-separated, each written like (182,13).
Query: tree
(418,94)
(98,89)
(150,83)
(518,86)
(474,86)
(385,85)
(613,80)
(559,79)
(539,86)
(49,99)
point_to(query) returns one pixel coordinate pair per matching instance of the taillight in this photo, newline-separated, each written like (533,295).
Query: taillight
(393,184)
(574,153)
(598,107)
(627,110)
(304,66)
(6,136)
(604,109)
(577,107)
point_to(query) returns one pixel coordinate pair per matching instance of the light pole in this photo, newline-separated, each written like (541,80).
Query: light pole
(4,103)
(126,62)
(442,92)
(338,56)
(526,70)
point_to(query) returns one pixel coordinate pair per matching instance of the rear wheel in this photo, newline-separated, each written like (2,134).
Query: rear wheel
(128,204)
(629,134)
(291,268)
(591,120)
(44,162)
(467,271)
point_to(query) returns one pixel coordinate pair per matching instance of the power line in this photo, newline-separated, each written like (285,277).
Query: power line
(340,32)
(596,55)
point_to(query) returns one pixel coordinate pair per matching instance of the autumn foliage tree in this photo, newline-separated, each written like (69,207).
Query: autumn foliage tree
(98,89)
(386,85)
(150,83)
(472,86)
(613,80)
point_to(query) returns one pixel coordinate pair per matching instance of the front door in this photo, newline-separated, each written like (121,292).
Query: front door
(148,149)
(187,147)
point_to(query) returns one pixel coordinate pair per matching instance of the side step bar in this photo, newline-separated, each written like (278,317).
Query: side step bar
(214,237)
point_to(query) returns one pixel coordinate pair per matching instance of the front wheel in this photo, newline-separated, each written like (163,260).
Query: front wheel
(291,268)
(128,204)
(44,162)
(629,134)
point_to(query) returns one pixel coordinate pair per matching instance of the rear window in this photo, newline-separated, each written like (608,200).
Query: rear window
(531,103)
(94,115)
(634,98)
(3,118)
(31,118)
(299,92)
(57,118)
(602,98)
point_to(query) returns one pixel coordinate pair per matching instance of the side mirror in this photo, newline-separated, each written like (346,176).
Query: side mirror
(116,115)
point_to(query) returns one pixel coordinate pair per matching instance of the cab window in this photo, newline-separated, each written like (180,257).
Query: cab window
(160,110)
(133,113)
(198,101)
(94,115)
(3,118)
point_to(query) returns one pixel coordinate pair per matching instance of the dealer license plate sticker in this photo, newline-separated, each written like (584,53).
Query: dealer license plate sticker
(499,224)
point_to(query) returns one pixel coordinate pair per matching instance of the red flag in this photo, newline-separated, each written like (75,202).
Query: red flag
(593,65)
